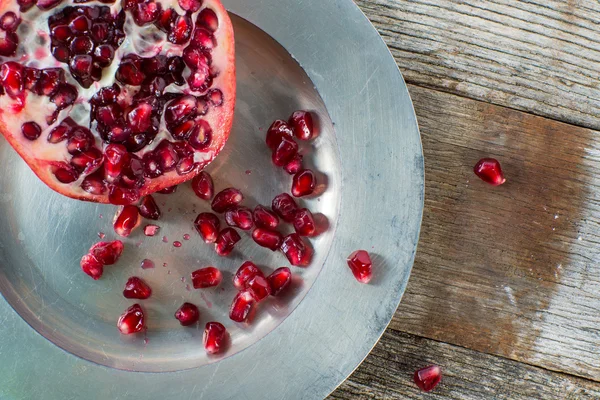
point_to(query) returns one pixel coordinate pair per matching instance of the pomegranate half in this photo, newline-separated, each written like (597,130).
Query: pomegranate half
(111,101)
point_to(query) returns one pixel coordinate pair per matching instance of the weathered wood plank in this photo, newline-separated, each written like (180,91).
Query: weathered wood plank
(540,56)
(467,374)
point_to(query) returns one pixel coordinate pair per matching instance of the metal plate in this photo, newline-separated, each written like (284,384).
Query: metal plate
(370,159)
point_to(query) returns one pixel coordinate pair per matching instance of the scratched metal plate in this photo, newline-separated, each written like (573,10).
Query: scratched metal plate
(58,326)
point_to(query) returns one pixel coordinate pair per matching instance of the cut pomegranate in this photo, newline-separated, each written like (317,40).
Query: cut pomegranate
(132,320)
(285,206)
(265,218)
(207,225)
(149,209)
(279,280)
(135,288)
(489,170)
(240,217)
(428,378)
(296,250)
(215,337)
(241,306)
(188,314)
(304,223)
(302,125)
(247,271)
(267,238)
(360,264)
(203,186)
(226,199)
(107,253)
(226,241)
(87,40)
(127,220)
(91,266)
(206,277)
(276,132)
(259,287)
(304,183)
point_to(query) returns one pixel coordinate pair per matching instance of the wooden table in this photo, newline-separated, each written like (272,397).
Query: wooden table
(505,289)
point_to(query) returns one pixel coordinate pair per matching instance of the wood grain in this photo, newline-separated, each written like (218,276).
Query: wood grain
(540,56)
(467,374)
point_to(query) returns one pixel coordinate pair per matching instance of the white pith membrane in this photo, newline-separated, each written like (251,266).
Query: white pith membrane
(147,41)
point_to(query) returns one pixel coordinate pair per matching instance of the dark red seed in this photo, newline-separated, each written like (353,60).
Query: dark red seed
(207,225)
(304,183)
(225,199)
(127,220)
(80,24)
(47,4)
(196,58)
(106,95)
(64,173)
(104,54)
(139,118)
(11,77)
(215,337)
(188,314)
(285,152)
(428,378)
(199,80)
(129,73)
(360,264)
(132,320)
(294,165)
(201,135)
(184,130)
(215,96)
(279,280)
(203,39)
(206,277)
(64,96)
(149,209)
(181,29)
(190,5)
(9,21)
(135,288)
(241,306)
(146,12)
(179,110)
(276,132)
(100,32)
(203,186)
(61,33)
(122,196)
(265,218)
(240,217)
(31,130)
(8,43)
(247,271)
(226,241)
(107,253)
(296,250)
(116,158)
(166,156)
(50,79)
(302,125)
(31,79)
(91,266)
(165,20)
(94,184)
(185,166)
(88,161)
(81,45)
(304,222)
(267,238)
(259,288)
(489,170)
(285,206)
(25,5)
(151,166)
(81,140)
(208,19)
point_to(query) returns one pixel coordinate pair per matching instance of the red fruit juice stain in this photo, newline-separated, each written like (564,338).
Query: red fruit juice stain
(186,236)
(177,243)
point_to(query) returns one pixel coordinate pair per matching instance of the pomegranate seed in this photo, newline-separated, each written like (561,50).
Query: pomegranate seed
(196,58)
(135,288)
(302,125)
(201,135)
(279,280)
(225,199)
(216,97)
(190,5)
(104,54)
(296,250)
(107,253)
(94,184)
(81,45)
(31,78)
(265,218)
(129,72)
(149,209)
(179,110)
(259,288)
(61,131)
(64,173)
(123,196)
(285,206)
(204,39)
(11,77)
(9,21)
(428,378)
(81,139)
(45,5)
(116,158)
(132,320)
(181,29)
(31,130)
(241,306)
(8,43)
(61,53)
(80,24)
(489,170)
(294,165)
(240,217)
(140,117)
(206,277)
(360,264)
(304,183)
(49,80)
(91,266)
(247,271)
(215,337)
(106,95)
(203,186)
(64,96)
(276,132)
(285,152)
(208,19)
(127,220)
(151,230)
(207,225)
(165,20)
(267,238)
(81,69)
(146,12)
(199,80)
(188,314)
(25,5)
(226,241)
(304,223)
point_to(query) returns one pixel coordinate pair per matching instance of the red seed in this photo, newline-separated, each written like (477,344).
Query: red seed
(190,5)
(302,125)
(360,264)
(127,220)
(129,72)
(116,158)
(285,206)
(123,196)
(9,21)
(259,287)
(294,165)
(207,225)
(64,96)
(80,24)
(188,314)
(139,118)
(64,173)
(81,140)
(8,43)
(88,161)
(304,223)
(149,209)
(226,241)
(215,337)
(267,238)
(166,156)
(247,271)
(265,218)
(489,170)
(206,277)
(31,130)
(94,184)
(196,58)
(285,152)
(296,250)
(181,29)
(146,12)
(276,132)
(11,77)
(132,320)
(135,288)
(427,378)
(240,217)
(180,109)
(203,186)
(225,199)
(241,306)
(91,266)
(50,79)
(61,131)
(208,19)
(279,280)
(107,253)
(304,183)
(25,5)
(204,39)
(201,135)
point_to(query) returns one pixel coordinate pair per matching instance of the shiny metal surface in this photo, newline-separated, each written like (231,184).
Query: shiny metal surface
(303,347)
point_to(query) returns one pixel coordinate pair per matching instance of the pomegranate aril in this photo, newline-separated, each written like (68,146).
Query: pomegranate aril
(129,72)
(104,54)
(428,378)
(9,21)
(116,157)
(304,183)
(81,69)
(64,96)
(81,139)
(11,77)
(107,253)
(181,29)
(294,165)
(188,314)
(203,39)
(91,266)
(201,135)
(215,96)
(241,306)
(132,320)
(100,32)
(285,152)
(149,209)
(226,199)
(25,5)
(61,131)
(31,130)
(190,5)
(106,95)
(45,5)
(489,170)
(80,24)
(247,271)
(199,80)
(267,238)
(302,125)
(304,222)
(140,117)
(208,19)
(265,218)
(240,217)
(185,166)
(276,132)
(61,33)
(135,288)
(32,77)
(127,220)
(50,79)
(196,58)
(61,53)
(207,225)
(279,280)
(296,250)
(215,337)
(151,166)
(206,277)
(94,184)
(179,110)
(259,287)
(361,266)
(146,12)
(88,161)
(285,206)
(226,241)
(82,45)
(166,156)
(165,20)
(64,173)
(8,43)
(122,196)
